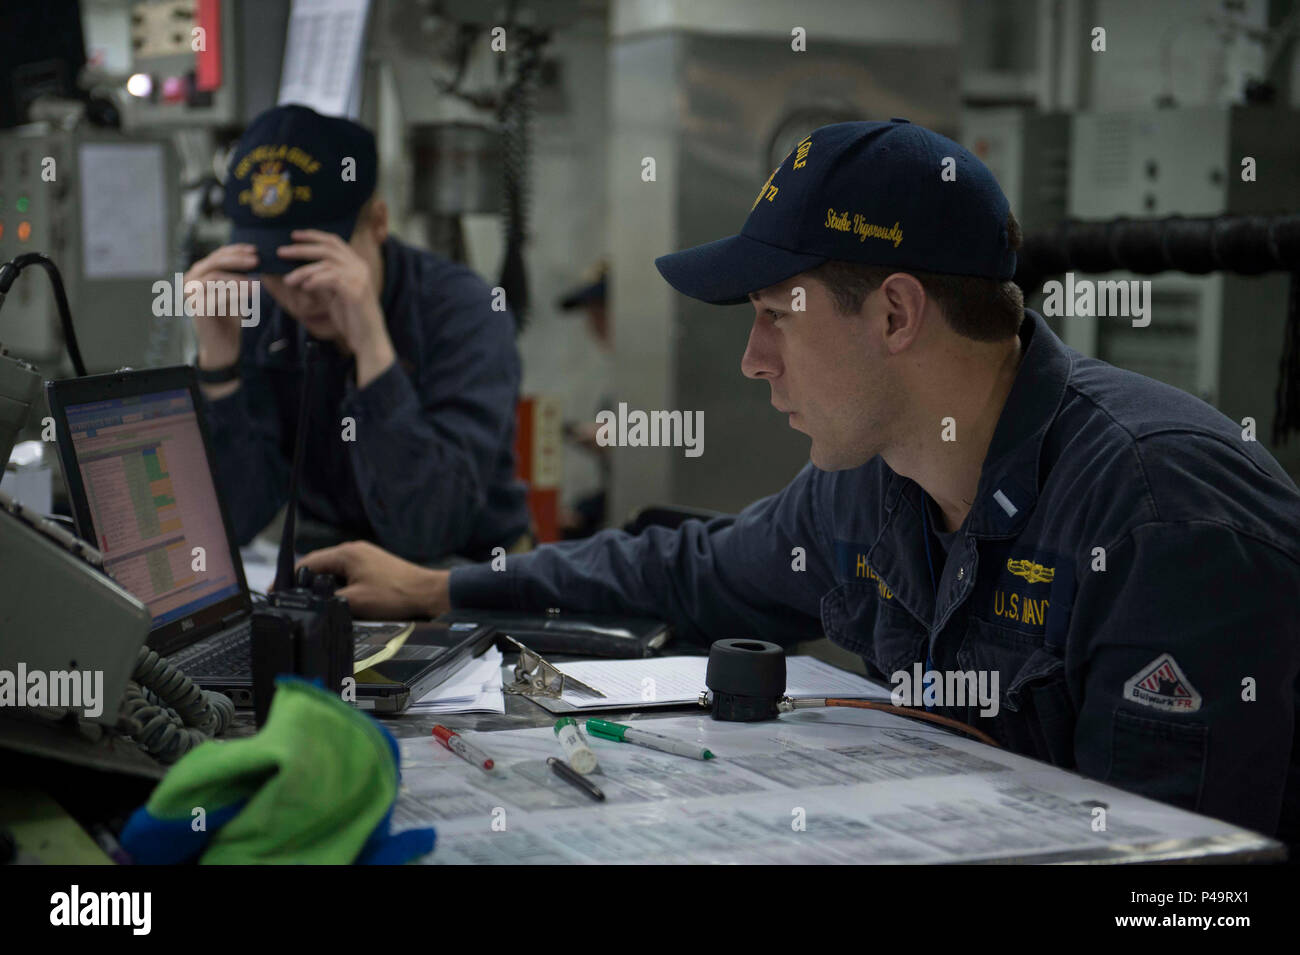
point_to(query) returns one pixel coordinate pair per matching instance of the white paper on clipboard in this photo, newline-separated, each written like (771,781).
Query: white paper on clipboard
(673,681)
(322,56)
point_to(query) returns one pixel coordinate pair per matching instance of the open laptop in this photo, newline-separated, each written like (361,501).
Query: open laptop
(135,452)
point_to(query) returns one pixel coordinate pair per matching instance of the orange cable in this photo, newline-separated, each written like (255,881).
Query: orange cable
(918,715)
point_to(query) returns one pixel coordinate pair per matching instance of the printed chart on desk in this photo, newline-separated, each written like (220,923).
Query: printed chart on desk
(848,786)
(153,502)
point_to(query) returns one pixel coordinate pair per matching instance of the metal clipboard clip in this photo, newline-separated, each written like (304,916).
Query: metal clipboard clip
(535,677)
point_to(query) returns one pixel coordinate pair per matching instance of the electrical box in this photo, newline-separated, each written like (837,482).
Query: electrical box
(1217,336)
(204,62)
(1029,154)
(103,207)
(33,218)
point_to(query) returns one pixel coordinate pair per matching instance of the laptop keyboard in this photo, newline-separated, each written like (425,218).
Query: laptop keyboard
(230,655)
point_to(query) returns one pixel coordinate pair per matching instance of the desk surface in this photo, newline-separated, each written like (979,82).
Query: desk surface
(877,772)
(866,787)
(929,769)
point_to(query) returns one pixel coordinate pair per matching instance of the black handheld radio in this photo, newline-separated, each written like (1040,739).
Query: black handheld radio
(306,629)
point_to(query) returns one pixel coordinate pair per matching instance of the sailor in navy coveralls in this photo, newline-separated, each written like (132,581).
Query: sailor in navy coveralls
(980,497)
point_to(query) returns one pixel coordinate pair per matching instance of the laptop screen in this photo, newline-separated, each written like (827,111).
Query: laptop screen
(152,501)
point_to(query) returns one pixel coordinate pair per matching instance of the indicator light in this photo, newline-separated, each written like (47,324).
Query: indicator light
(140,85)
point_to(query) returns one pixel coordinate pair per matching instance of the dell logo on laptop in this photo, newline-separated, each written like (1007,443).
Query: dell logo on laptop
(187,624)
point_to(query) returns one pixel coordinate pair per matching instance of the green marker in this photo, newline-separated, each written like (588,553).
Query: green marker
(619,733)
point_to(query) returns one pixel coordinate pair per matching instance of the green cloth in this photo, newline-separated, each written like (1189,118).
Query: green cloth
(313,786)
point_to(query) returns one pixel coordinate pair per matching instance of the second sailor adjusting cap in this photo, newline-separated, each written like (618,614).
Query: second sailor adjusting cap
(296,169)
(878,193)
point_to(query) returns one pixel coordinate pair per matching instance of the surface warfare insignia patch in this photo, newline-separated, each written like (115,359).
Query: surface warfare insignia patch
(1161,684)
(1032,572)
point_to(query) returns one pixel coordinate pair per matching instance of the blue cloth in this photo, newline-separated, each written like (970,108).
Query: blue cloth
(1201,538)
(431,471)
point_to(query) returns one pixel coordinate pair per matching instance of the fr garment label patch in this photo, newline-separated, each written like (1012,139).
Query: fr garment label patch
(1162,685)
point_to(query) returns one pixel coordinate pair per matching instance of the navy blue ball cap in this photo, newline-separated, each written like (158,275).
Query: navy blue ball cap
(289,172)
(890,194)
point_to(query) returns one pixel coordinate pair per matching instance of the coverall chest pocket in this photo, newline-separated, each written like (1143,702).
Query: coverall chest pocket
(863,617)
(1034,714)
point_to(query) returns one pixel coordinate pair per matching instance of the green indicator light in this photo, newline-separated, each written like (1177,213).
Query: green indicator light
(22,203)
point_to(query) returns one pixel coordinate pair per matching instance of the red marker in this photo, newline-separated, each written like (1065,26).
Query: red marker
(464,750)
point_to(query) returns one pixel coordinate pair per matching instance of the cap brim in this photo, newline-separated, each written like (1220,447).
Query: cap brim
(269,238)
(725,271)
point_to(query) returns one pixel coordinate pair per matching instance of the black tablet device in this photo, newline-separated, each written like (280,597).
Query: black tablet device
(427,658)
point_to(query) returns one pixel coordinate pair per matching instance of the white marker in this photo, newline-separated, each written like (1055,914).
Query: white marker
(576,750)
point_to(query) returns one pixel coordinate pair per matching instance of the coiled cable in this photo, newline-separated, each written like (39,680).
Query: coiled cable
(166,713)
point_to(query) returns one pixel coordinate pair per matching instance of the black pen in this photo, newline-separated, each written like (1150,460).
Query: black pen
(570,775)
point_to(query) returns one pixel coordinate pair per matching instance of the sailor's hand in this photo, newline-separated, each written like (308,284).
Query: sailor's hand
(218,335)
(381,586)
(336,268)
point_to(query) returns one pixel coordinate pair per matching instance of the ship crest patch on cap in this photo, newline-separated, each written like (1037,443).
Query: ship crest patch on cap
(267,171)
(271,191)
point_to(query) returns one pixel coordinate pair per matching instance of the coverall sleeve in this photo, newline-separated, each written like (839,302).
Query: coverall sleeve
(730,577)
(423,461)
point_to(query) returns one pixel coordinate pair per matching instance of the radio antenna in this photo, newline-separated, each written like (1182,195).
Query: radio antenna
(284,561)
